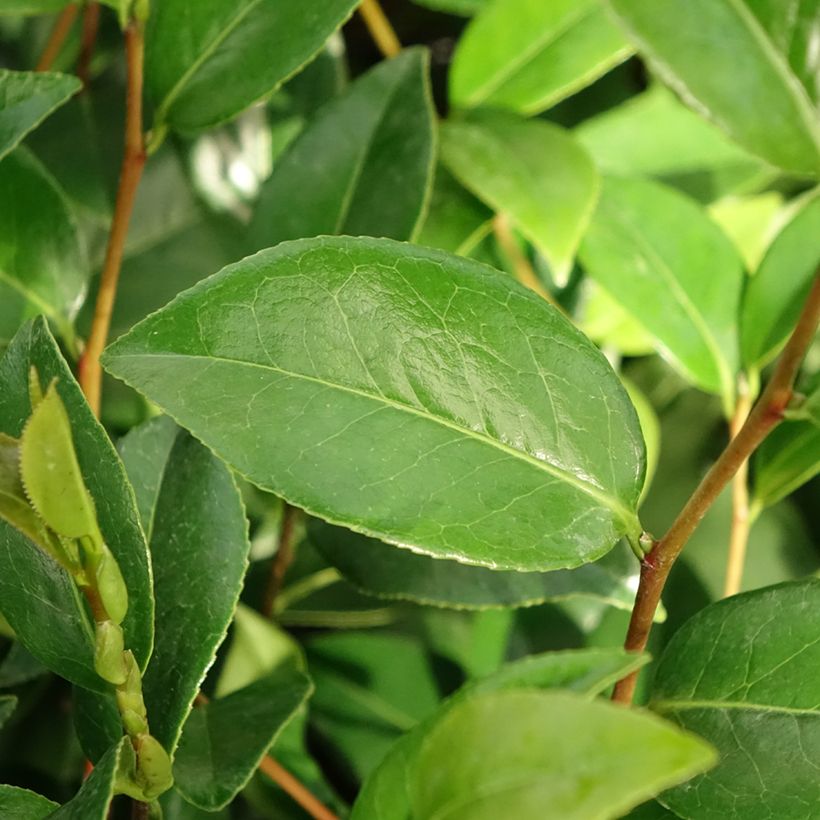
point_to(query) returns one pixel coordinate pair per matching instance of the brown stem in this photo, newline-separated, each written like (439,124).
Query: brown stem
(57,37)
(522,269)
(91,24)
(133,162)
(282,559)
(765,415)
(300,794)
(379,27)
(739,534)
(140,810)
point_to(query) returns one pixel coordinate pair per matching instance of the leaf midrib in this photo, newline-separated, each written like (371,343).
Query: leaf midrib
(628,518)
(685,705)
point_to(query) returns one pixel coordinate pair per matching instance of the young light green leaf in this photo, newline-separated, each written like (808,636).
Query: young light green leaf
(224,741)
(524,405)
(547,756)
(377,569)
(31,6)
(660,256)
(775,293)
(363,166)
(720,76)
(653,134)
(742,674)
(93,799)
(43,268)
(66,646)
(527,55)
(195,520)
(22,804)
(206,63)
(26,99)
(7,706)
(750,222)
(464,8)
(533,171)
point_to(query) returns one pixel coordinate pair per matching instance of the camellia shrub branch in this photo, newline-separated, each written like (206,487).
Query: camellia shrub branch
(350,355)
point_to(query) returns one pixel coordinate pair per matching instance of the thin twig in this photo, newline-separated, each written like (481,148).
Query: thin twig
(741,523)
(297,791)
(57,37)
(133,162)
(379,27)
(91,24)
(765,415)
(522,269)
(282,559)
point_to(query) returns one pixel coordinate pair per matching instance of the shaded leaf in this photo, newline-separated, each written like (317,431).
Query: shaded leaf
(43,268)
(719,76)
(206,63)
(7,705)
(777,291)
(224,741)
(673,269)
(531,170)
(59,635)
(543,493)
(26,99)
(741,673)
(22,804)
(526,56)
(363,166)
(376,568)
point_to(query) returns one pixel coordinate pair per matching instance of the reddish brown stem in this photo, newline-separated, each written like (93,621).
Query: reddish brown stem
(57,37)
(282,559)
(765,415)
(130,173)
(91,24)
(297,791)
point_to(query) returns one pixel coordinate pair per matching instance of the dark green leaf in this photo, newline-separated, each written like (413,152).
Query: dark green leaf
(43,268)
(7,705)
(732,78)
(94,797)
(197,533)
(19,666)
(653,134)
(206,63)
(660,256)
(22,804)
(776,292)
(224,741)
(31,6)
(465,8)
(376,568)
(59,635)
(742,674)
(26,99)
(522,404)
(533,171)
(787,459)
(528,56)
(363,166)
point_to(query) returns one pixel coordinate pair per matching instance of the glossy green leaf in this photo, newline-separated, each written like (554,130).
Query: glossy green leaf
(527,55)
(533,171)
(742,674)
(529,409)
(205,64)
(7,705)
(43,268)
(224,741)
(654,134)
(732,78)
(363,166)
(660,256)
(59,635)
(197,533)
(93,799)
(26,99)
(787,459)
(776,292)
(377,569)
(22,804)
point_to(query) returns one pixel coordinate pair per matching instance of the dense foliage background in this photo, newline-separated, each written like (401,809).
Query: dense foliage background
(648,168)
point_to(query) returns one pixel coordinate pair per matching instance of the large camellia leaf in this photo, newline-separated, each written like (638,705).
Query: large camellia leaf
(743,80)
(743,674)
(406,393)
